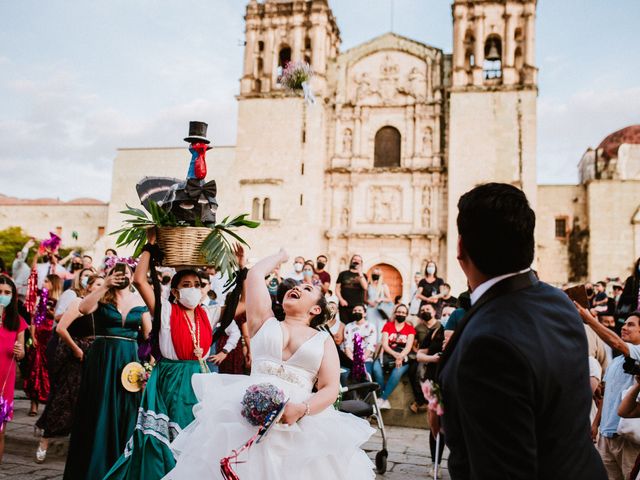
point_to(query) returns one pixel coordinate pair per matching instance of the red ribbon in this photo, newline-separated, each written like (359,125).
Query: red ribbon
(200,169)
(225,463)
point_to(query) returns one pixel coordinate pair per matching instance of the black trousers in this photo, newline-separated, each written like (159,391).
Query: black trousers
(414,379)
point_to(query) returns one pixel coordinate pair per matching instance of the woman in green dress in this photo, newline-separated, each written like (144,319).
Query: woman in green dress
(184,337)
(106,412)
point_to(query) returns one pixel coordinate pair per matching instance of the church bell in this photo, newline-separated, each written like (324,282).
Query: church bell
(492,50)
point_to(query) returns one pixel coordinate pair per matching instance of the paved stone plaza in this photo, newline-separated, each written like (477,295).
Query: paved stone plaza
(408,452)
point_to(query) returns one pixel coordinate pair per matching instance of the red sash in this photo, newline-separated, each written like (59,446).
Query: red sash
(181,336)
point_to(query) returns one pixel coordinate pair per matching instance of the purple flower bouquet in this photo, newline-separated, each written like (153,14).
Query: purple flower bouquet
(260,401)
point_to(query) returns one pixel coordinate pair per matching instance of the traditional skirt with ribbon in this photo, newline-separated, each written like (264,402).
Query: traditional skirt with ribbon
(166,408)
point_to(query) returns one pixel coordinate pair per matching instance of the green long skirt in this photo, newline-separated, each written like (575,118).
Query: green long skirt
(166,408)
(105,412)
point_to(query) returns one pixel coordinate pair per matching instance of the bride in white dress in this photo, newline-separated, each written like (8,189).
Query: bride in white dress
(314,441)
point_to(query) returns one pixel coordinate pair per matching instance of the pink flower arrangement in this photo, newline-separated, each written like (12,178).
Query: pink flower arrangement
(433,395)
(295,74)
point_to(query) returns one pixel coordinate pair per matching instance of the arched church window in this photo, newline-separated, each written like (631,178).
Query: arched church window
(260,46)
(284,57)
(492,67)
(255,209)
(469,58)
(387,148)
(257,86)
(307,50)
(266,209)
(260,65)
(519,59)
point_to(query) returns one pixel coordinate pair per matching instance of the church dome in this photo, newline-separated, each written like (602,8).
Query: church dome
(613,141)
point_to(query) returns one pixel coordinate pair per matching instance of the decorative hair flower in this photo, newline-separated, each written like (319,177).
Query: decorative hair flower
(111,262)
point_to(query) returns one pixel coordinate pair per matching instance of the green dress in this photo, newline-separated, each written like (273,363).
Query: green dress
(166,408)
(106,412)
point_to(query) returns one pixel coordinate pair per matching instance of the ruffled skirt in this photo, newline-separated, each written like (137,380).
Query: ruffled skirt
(321,446)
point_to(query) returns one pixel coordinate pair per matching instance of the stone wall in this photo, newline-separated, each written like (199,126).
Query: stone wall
(566,202)
(492,139)
(612,207)
(89,221)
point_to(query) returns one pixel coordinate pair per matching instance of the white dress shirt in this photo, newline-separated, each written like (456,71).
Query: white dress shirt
(485,286)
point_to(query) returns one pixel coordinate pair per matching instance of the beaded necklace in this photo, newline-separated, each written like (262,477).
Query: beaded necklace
(194,330)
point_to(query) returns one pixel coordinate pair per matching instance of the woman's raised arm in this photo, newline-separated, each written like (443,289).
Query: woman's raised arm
(258,300)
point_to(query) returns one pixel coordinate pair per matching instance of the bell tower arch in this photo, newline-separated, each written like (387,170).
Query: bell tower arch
(492,127)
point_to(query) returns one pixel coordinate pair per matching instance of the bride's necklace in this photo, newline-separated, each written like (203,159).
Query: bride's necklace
(194,330)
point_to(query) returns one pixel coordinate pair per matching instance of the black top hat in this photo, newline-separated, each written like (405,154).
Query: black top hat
(197,133)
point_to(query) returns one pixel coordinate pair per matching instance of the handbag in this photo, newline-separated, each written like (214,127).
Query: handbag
(629,428)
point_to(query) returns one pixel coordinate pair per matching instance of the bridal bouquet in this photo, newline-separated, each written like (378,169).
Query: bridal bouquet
(260,402)
(262,406)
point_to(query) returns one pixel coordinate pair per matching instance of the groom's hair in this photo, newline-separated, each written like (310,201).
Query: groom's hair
(496,225)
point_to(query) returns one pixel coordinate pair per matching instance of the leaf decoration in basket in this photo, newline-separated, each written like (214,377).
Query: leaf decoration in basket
(216,249)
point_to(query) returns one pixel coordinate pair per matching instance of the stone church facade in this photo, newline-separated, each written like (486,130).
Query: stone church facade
(399,131)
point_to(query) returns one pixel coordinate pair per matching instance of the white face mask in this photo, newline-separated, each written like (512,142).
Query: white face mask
(431,270)
(190,297)
(298,267)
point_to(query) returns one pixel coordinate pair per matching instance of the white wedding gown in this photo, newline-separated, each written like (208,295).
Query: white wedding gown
(321,446)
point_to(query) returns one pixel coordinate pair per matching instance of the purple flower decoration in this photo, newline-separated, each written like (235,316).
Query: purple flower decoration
(6,412)
(259,401)
(51,243)
(358,372)
(41,310)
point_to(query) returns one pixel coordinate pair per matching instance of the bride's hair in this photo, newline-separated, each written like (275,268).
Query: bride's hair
(324,315)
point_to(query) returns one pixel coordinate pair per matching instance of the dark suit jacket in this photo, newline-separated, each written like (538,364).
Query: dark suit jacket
(516,388)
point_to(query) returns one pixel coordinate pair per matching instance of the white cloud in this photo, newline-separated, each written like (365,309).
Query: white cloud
(567,127)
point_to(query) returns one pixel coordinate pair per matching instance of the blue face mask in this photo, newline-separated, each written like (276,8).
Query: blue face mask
(84,281)
(5,300)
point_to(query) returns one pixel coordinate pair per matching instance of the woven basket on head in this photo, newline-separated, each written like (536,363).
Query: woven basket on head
(181,245)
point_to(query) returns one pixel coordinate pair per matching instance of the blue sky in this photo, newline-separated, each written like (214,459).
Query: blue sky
(79,79)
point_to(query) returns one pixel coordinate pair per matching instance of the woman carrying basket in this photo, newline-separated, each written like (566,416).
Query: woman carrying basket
(185,338)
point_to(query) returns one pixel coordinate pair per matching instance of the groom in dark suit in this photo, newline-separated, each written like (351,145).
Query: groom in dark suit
(514,376)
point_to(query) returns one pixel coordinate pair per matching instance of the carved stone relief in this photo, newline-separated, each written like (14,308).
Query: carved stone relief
(385,203)
(347,141)
(427,142)
(427,199)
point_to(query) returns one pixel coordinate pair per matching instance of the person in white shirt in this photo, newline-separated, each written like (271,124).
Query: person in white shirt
(218,282)
(77,290)
(20,270)
(296,274)
(368,333)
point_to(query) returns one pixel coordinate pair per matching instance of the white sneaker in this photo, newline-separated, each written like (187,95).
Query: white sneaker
(385,405)
(41,455)
(379,402)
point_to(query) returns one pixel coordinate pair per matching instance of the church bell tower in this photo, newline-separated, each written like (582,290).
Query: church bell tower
(492,128)
(281,139)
